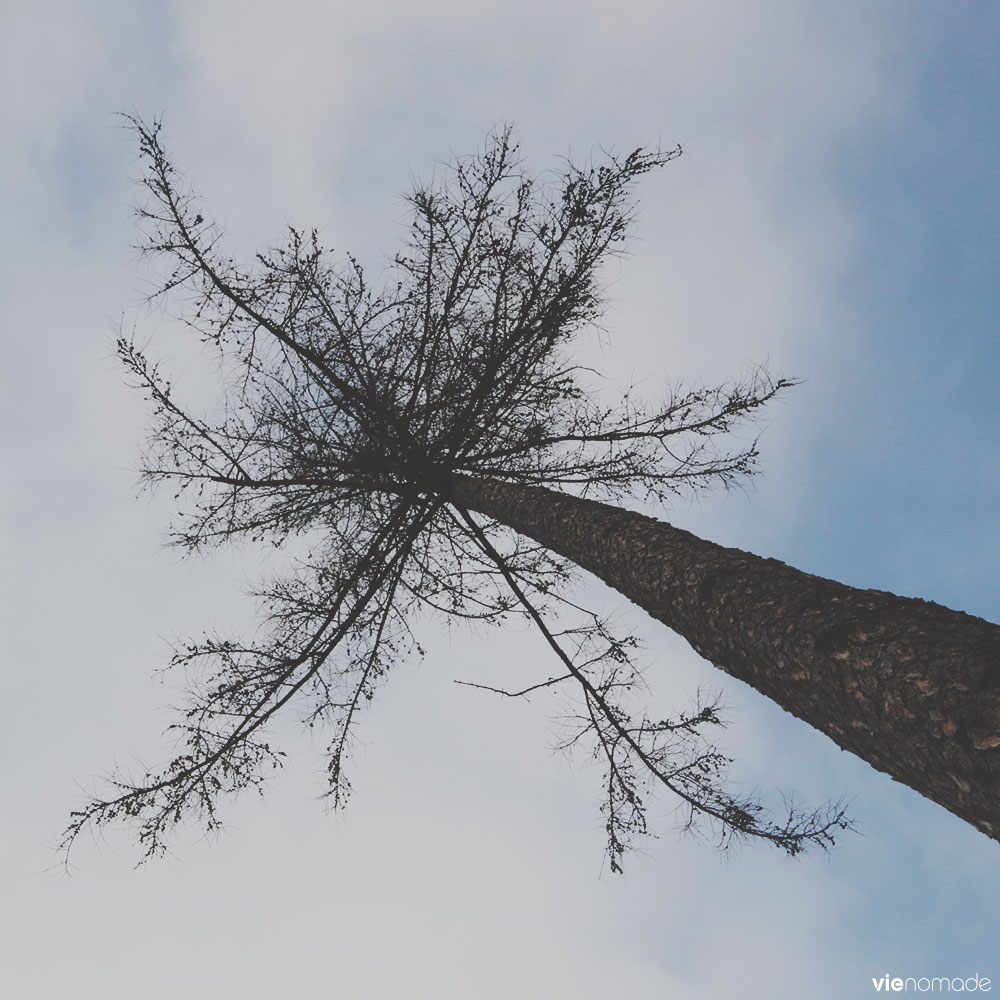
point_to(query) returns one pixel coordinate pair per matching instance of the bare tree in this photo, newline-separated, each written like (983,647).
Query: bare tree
(433,444)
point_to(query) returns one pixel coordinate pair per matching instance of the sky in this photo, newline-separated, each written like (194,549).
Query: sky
(834,214)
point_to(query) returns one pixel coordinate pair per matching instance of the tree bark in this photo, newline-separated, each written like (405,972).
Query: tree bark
(908,685)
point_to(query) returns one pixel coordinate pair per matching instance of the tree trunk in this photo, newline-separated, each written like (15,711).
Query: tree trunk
(910,686)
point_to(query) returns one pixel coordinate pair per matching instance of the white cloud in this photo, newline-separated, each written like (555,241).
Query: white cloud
(469,863)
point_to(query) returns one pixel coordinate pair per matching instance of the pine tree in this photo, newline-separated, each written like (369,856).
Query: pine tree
(432,441)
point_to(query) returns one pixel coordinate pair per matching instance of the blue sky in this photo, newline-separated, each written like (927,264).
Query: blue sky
(835,213)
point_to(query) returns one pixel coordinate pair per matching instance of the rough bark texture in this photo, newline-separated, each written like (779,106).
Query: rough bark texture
(908,685)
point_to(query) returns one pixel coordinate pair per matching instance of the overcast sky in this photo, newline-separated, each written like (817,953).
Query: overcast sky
(835,213)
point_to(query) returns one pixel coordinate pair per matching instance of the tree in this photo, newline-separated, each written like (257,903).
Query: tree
(429,443)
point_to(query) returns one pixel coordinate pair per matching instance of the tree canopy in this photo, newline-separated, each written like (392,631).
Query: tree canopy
(349,405)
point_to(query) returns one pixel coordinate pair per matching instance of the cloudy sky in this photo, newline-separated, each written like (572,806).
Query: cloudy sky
(835,213)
